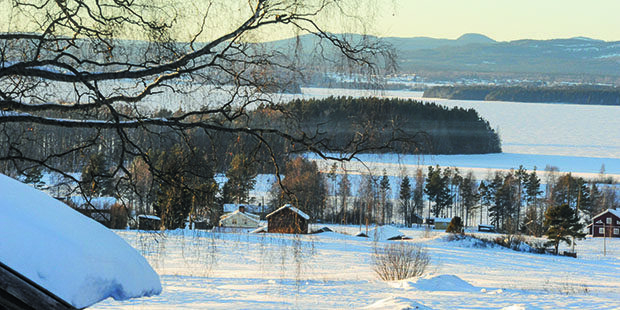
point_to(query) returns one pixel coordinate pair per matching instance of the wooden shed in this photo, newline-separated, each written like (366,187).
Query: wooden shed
(288,220)
(148,222)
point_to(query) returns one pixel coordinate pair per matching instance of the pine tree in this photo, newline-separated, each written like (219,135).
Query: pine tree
(241,179)
(384,191)
(562,223)
(405,198)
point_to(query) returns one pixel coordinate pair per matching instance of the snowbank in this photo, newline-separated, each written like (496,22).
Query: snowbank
(397,303)
(70,255)
(443,282)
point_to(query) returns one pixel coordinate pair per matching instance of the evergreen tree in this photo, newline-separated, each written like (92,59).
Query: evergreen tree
(344,191)
(241,179)
(561,223)
(96,179)
(405,198)
(435,190)
(532,187)
(384,192)
(34,176)
(186,187)
(469,195)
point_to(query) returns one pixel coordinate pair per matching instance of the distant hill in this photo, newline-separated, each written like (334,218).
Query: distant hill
(579,57)
(470,53)
(586,94)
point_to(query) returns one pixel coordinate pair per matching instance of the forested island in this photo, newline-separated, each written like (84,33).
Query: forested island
(387,125)
(581,94)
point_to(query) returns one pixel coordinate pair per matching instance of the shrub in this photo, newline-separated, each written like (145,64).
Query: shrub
(455,226)
(397,261)
(118,216)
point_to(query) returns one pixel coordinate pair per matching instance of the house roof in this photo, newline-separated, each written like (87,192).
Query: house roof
(615,212)
(99,203)
(232,207)
(251,216)
(299,212)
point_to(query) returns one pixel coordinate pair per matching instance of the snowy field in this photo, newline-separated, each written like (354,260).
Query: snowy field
(204,270)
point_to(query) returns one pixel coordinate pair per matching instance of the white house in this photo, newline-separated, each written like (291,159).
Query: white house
(240,219)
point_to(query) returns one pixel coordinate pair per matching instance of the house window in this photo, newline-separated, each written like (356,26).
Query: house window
(609,220)
(616,231)
(234,221)
(601,230)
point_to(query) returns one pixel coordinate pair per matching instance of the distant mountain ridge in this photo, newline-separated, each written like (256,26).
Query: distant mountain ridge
(477,53)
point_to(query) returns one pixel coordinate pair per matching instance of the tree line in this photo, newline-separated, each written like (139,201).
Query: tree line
(580,94)
(514,201)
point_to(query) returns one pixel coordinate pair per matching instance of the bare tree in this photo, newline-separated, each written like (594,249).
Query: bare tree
(79,77)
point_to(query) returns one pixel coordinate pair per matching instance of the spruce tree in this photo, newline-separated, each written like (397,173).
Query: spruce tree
(562,223)
(405,198)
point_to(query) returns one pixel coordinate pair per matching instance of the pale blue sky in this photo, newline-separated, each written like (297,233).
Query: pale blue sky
(502,20)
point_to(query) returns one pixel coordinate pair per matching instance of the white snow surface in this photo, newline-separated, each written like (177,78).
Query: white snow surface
(333,270)
(72,256)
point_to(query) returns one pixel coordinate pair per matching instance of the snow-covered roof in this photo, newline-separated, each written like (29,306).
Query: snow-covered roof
(100,203)
(251,216)
(150,217)
(67,253)
(385,232)
(301,213)
(232,207)
(442,220)
(615,212)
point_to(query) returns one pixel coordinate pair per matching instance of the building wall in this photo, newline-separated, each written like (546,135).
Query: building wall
(287,222)
(238,220)
(606,224)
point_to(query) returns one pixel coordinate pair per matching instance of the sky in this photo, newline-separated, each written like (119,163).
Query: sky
(502,20)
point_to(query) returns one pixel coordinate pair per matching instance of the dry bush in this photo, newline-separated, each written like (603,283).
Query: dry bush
(397,261)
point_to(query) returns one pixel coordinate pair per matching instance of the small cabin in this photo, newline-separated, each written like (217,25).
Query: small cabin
(288,220)
(240,219)
(486,228)
(441,223)
(606,224)
(148,222)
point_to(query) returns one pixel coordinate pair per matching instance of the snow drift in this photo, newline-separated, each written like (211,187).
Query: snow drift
(72,256)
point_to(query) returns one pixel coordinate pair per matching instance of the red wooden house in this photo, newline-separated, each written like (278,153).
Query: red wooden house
(288,220)
(606,224)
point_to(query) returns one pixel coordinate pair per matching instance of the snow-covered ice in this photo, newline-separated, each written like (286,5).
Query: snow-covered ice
(70,255)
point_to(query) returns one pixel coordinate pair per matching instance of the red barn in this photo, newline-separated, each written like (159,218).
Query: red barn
(288,220)
(606,224)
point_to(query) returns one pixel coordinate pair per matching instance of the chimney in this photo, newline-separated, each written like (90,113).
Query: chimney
(242,209)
